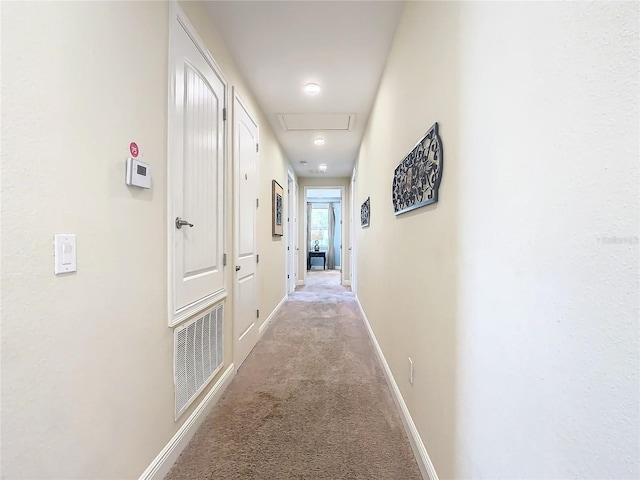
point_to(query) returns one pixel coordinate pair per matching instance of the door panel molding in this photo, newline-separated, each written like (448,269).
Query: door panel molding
(246,160)
(195,187)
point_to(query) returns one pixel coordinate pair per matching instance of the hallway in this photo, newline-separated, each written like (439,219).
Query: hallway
(310,401)
(505,314)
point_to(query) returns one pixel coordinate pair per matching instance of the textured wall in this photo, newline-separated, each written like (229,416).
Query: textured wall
(517,294)
(87,375)
(86,357)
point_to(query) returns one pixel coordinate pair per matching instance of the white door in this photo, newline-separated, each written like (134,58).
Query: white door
(195,183)
(292,235)
(354,219)
(245,165)
(295,247)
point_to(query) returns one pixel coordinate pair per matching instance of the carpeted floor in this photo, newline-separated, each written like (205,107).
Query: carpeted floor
(310,402)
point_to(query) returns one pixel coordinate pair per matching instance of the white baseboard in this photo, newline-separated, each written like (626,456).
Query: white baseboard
(346,283)
(300,283)
(420,452)
(170,453)
(271,315)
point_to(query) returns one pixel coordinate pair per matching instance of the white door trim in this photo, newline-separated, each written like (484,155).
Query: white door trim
(342,235)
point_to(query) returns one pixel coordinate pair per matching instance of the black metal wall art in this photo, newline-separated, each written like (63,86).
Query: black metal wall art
(417,177)
(365,213)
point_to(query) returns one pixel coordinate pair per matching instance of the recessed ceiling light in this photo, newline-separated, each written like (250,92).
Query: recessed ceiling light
(322,167)
(312,88)
(319,141)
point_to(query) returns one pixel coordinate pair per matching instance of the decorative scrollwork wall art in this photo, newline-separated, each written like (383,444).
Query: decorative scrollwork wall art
(365,213)
(417,177)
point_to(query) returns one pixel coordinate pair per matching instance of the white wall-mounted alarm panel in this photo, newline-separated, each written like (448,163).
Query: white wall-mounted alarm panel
(138,173)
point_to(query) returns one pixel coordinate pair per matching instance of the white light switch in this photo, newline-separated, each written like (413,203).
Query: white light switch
(68,254)
(64,253)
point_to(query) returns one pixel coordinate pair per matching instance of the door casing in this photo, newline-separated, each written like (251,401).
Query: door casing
(342,226)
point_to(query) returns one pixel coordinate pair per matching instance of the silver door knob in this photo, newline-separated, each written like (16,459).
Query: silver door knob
(180,223)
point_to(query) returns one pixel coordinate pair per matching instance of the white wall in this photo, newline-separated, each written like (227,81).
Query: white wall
(87,375)
(86,358)
(516,295)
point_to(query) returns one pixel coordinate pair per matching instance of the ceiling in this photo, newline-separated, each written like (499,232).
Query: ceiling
(281,46)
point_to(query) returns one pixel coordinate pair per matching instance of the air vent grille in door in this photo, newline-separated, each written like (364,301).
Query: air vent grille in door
(198,355)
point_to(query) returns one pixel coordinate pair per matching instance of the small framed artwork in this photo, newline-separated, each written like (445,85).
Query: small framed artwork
(365,213)
(277,209)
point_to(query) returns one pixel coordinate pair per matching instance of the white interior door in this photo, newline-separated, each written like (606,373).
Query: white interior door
(354,223)
(245,164)
(292,235)
(296,223)
(196,160)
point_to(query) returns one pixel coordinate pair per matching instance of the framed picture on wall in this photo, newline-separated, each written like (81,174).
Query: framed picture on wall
(365,213)
(277,193)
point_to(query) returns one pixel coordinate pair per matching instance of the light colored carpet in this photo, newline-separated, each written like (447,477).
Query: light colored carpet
(310,402)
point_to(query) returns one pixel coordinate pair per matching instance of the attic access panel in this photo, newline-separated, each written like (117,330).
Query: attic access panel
(297,122)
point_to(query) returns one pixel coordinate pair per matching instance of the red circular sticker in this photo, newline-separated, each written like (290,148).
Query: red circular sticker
(133,148)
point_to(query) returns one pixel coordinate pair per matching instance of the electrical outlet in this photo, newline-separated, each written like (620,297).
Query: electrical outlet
(410,371)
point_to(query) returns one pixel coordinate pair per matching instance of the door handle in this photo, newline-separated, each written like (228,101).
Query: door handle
(180,223)
(237,267)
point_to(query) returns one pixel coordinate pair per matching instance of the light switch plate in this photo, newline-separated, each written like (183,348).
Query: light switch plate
(64,253)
